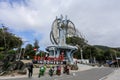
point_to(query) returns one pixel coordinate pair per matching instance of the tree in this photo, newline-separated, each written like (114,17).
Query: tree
(9,40)
(1,56)
(29,51)
(36,44)
(28,47)
(76,41)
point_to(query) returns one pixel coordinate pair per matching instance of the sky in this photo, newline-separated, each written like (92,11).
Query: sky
(97,20)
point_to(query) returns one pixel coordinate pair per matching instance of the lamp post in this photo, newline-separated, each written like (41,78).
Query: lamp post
(81,54)
(22,51)
(19,53)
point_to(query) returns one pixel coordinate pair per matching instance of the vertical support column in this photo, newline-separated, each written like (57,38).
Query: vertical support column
(69,57)
(58,53)
(54,52)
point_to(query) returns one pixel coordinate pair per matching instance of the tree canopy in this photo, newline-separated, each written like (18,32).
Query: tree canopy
(9,40)
(74,40)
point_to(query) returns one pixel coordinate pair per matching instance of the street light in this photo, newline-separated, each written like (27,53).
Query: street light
(81,54)
(22,51)
(19,53)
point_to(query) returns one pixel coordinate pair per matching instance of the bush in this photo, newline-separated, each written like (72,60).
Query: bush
(1,56)
(1,48)
(11,52)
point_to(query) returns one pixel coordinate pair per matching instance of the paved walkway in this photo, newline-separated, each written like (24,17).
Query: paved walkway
(36,70)
(114,76)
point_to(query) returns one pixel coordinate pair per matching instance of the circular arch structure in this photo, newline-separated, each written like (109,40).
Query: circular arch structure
(55,31)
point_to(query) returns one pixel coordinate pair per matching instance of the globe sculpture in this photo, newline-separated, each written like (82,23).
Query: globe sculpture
(62,28)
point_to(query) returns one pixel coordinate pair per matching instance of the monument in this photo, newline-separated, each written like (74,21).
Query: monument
(61,29)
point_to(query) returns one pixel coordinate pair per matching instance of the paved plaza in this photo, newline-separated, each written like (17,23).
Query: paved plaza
(85,72)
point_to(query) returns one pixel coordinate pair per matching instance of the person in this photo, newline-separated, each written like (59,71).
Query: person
(58,71)
(67,69)
(30,69)
(41,71)
(51,71)
(64,69)
(45,67)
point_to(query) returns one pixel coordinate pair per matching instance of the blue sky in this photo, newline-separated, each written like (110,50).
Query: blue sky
(97,20)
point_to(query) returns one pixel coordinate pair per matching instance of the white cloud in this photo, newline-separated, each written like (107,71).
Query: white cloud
(98,20)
